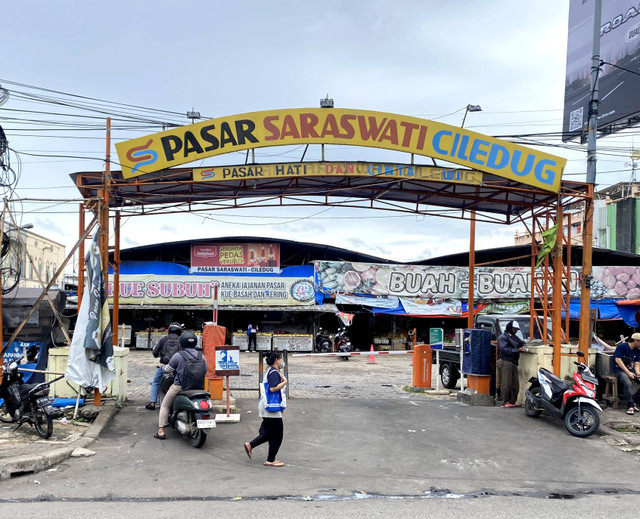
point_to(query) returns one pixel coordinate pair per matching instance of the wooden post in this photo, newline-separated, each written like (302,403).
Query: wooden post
(104,232)
(585,293)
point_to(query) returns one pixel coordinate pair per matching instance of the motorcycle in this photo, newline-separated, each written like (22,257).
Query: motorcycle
(342,343)
(190,412)
(575,403)
(323,342)
(27,403)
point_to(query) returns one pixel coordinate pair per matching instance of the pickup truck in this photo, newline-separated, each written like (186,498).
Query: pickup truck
(496,324)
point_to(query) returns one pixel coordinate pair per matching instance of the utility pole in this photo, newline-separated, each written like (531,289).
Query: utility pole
(587,231)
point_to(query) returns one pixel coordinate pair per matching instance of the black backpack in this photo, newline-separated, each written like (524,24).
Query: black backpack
(172,345)
(194,372)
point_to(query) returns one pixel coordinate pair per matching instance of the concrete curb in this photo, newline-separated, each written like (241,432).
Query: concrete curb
(20,465)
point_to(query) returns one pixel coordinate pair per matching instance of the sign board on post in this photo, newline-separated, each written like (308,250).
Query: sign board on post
(436,338)
(227,364)
(227,361)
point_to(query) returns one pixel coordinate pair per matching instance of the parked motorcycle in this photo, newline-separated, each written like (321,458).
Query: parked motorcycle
(323,341)
(575,403)
(190,412)
(27,403)
(342,343)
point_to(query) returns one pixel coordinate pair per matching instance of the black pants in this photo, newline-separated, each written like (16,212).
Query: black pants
(252,340)
(270,431)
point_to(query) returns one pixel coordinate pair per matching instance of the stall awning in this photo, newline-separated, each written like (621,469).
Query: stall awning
(607,309)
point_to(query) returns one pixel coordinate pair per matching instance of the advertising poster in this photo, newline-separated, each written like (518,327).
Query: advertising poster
(426,282)
(235,257)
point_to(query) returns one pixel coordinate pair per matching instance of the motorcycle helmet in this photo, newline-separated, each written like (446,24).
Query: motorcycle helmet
(175,328)
(189,340)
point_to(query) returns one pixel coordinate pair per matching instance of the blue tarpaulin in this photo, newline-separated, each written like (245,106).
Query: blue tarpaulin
(168,268)
(607,309)
(628,314)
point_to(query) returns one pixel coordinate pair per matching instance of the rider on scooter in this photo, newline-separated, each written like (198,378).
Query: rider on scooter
(165,349)
(177,365)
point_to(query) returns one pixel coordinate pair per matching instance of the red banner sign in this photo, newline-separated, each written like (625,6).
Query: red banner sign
(235,257)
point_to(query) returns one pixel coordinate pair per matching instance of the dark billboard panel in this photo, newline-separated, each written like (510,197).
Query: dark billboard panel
(619,79)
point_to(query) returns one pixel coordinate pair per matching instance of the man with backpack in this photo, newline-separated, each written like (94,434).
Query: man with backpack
(166,348)
(190,368)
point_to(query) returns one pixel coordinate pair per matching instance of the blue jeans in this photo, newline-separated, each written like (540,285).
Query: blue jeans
(631,388)
(155,386)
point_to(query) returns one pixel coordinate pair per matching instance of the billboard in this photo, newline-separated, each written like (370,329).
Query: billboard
(341,127)
(151,289)
(235,258)
(351,282)
(619,82)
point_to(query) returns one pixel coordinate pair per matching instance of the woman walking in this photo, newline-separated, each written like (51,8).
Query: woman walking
(272,427)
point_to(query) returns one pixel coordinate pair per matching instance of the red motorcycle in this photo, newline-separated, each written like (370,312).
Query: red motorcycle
(575,403)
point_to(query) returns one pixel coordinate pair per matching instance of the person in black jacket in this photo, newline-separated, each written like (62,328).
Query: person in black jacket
(509,348)
(166,348)
(178,365)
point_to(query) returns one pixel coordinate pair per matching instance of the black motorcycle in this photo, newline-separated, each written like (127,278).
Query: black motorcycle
(323,342)
(27,403)
(342,343)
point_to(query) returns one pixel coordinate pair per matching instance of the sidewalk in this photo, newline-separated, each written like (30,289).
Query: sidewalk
(23,451)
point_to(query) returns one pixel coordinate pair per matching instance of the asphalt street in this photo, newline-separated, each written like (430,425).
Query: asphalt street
(354,440)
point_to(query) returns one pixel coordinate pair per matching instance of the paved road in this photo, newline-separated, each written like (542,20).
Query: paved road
(361,436)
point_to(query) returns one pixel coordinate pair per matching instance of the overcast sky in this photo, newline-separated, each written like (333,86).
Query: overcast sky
(425,58)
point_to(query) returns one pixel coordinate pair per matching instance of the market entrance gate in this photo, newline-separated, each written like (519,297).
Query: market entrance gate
(482,179)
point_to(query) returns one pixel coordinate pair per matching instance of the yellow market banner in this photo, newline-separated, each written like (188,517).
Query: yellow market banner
(345,127)
(323,169)
(151,289)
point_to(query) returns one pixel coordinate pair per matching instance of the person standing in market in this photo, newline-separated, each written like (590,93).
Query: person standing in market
(272,427)
(252,332)
(164,350)
(509,348)
(627,371)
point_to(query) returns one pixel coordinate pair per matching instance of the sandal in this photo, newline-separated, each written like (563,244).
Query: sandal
(160,436)
(636,408)
(274,464)
(150,407)
(248,449)
(631,411)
